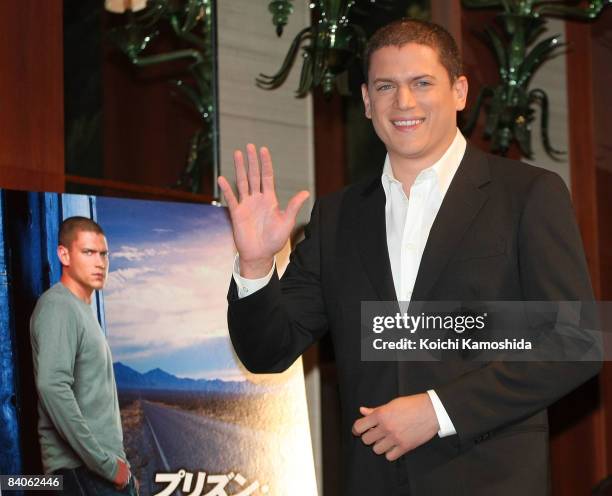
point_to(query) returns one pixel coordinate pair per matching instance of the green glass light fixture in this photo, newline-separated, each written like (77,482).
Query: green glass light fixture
(281,10)
(510,104)
(191,22)
(331,43)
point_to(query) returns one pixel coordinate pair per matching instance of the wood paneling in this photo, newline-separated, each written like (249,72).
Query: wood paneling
(448,14)
(109,187)
(582,141)
(147,125)
(330,155)
(581,449)
(604,195)
(575,441)
(578,435)
(601,37)
(31,95)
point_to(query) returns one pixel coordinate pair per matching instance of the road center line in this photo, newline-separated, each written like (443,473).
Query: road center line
(159,448)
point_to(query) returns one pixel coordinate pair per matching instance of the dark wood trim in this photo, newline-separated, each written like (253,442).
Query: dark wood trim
(329,143)
(448,14)
(604,184)
(582,142)
(113,188)
(578,431)
(30,179)
(580,451)
(601,54)
(32,95)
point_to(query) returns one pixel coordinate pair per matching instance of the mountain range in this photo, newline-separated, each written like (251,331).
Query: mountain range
(128,378)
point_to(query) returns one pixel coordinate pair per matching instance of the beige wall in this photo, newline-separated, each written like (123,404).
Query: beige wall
(248,46)
(551,77)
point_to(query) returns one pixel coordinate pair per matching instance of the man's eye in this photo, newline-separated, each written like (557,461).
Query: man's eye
(383,87)
(423,84)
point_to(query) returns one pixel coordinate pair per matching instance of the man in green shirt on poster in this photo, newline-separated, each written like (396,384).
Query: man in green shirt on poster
(79,423)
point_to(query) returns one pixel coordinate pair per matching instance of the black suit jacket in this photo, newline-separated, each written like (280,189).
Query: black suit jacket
(505,231)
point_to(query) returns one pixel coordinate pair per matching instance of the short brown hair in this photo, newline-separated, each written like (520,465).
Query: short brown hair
(403,31)
(73,225)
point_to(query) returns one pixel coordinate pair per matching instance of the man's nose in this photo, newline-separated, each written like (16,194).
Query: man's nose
(405,99)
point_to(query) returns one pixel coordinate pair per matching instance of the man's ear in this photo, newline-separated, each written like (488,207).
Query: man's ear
(460,89)
(366,100)
(64,255)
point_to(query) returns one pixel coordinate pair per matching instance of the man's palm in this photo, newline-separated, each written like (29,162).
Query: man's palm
(260,228)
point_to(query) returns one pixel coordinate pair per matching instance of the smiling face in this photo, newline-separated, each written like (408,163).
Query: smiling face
(412,103)
(84,263)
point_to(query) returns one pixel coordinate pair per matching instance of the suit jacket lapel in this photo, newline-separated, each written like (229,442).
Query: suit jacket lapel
(370,230)
(464,198)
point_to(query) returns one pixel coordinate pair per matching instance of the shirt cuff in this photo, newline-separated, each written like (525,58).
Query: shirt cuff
(446,425)
(250,286)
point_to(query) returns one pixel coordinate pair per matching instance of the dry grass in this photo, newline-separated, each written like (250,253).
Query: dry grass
(132,419)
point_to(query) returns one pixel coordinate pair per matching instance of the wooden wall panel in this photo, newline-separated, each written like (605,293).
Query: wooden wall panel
(582,140)
(147,126)
(604,196)
(31,95)
(578,446)
(601,38)
(448,14)
(329,138)
(581,450)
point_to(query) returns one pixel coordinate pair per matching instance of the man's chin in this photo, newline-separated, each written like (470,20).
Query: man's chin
(411,152)
(97,285)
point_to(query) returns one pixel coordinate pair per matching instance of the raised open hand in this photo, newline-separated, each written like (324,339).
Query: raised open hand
(260,227)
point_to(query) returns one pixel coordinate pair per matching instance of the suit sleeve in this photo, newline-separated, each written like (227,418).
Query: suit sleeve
(552,267)
(271,328)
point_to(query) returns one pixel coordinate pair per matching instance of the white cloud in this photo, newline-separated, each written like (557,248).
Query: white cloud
(133,254)
(118,278)
(178,303)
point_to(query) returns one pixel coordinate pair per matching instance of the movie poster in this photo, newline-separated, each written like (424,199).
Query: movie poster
(195,421)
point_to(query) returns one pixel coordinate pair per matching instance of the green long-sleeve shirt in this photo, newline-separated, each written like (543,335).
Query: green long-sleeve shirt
(79,421)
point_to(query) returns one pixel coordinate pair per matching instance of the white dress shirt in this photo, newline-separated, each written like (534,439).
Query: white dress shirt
(408,221)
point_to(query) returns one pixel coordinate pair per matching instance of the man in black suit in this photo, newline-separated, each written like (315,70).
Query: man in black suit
(445,221)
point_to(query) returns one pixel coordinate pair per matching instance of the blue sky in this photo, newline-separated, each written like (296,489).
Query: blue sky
(165,298)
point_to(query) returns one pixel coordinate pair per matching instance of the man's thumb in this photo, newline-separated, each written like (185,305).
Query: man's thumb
(294,205)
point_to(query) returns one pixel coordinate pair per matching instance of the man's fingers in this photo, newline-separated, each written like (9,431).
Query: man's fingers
(363,424)
(253,175)
(373,435)
(228,193)
(394,453)
(241,178)
(382,446)
(294,205)
(267,171)
(364,410)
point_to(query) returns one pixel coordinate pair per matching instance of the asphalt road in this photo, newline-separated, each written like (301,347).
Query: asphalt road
(185,440)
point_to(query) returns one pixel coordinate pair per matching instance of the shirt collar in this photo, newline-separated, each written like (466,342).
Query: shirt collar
(443,170)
